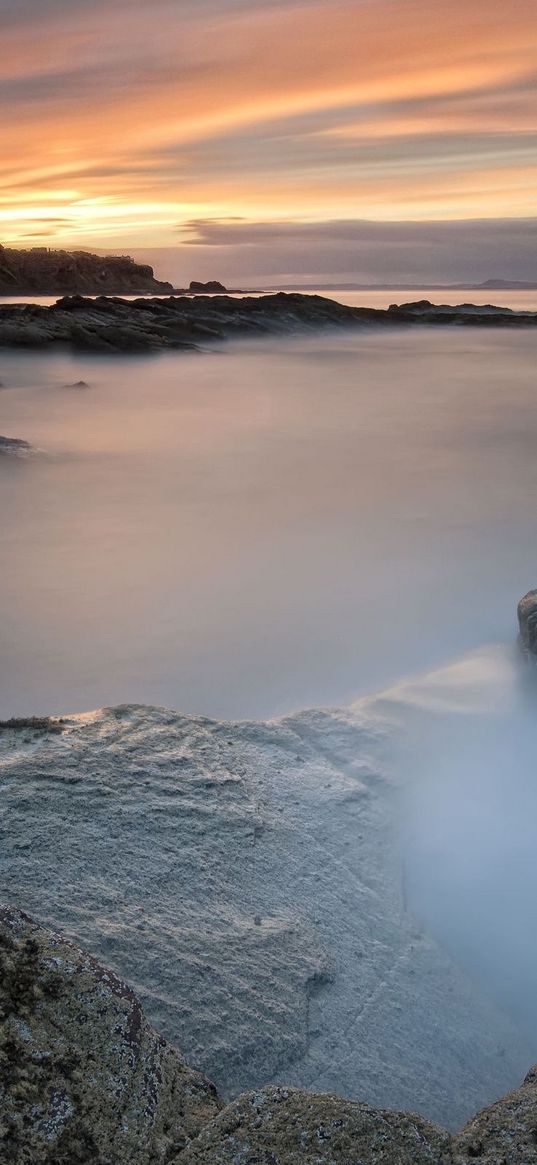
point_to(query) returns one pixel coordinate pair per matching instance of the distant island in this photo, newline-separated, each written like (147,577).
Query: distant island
(44,271)
(495,284)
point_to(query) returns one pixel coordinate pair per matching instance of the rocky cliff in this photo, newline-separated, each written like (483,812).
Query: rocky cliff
(84,1078)
(41,271)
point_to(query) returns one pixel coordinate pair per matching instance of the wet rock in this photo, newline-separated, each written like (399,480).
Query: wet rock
(279,1126)
(197,288)
(527,622)
(111,324)
(83,1077)
(14,446)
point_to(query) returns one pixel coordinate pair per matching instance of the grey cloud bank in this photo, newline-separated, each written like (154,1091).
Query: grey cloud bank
(370,252)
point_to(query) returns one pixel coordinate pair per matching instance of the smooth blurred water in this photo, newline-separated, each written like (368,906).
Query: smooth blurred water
(266,525)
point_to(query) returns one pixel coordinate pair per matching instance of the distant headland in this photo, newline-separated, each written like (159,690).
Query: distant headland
(45,271)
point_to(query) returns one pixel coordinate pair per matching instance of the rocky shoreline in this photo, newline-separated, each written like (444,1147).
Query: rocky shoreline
(85,1078)
(110,324)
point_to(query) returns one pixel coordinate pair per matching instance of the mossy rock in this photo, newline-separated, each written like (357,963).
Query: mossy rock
(83,1076)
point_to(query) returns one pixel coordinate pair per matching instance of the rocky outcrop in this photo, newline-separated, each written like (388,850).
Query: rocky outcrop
(42,271)
(14,446)
(280,1126)
(210,288)
(111,324)
(527,622)
(83,1077)
(506,1132)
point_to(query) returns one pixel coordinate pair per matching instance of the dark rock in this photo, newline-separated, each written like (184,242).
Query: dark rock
(206,288)
(111,324)
(39,724)
(42,271)
(527,622)
(14,446)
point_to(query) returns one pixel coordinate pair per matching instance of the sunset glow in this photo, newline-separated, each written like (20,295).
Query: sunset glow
(129,122)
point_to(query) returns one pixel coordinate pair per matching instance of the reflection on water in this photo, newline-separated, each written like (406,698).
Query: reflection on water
(264,526)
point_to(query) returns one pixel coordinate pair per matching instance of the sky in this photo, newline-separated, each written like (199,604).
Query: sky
(274,139)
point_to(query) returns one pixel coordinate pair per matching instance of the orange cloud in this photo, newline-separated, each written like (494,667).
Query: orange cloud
(125,119)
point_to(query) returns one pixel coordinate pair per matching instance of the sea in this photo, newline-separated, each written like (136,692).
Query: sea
(264,525)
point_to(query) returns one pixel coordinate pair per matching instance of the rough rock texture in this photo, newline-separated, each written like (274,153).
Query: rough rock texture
(246,880)
(13,446)
(43,271)
(109,324)
(527,622)
(505,1133)
(280,1126)
(83,1077)
(84,1080)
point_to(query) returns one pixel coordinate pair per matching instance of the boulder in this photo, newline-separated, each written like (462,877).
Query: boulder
(14,446)
(280,1126)
(83,1076)
(506,1132)
(211,287)
(527,622)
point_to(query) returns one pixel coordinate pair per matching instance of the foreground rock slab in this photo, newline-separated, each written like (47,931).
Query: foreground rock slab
(246,880)
(85,1079)
(83,1076)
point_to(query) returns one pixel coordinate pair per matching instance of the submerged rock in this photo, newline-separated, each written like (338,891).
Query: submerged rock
(83,1077)
(527,622)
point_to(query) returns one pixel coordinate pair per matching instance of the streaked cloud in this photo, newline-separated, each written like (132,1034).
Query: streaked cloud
(351,250)
(127,119)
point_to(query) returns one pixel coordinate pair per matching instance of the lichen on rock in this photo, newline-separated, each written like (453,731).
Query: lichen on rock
(505,1133)
(280,1126)
(83,1076)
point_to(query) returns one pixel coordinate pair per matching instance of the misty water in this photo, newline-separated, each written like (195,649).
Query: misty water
(280,523)
(262,526)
